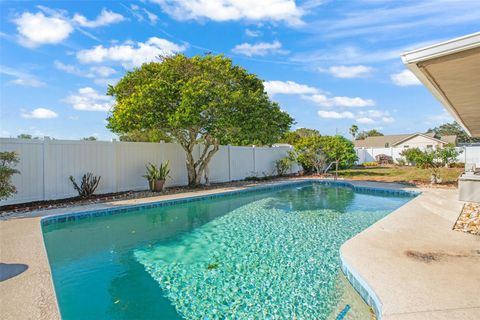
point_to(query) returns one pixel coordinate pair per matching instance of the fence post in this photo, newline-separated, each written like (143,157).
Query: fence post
(254,165)
(45,163)
(229,163)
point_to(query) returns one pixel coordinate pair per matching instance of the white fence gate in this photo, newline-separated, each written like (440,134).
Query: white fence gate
(467,155)
(46,165)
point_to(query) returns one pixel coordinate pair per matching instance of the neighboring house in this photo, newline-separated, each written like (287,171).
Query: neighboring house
(415,140)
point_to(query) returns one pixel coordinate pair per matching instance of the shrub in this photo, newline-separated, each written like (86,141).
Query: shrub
(283,166)
(456,165)
(448,154)
(411,155)
(370,164)
(8,160)
(401,162)
(88,185)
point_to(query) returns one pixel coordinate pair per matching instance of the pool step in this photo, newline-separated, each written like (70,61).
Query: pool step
(343,313)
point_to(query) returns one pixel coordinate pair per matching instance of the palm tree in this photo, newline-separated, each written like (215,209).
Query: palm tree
(353,131)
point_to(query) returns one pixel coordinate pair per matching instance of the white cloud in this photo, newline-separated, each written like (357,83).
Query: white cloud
(325,101)
(405,78)
(348,72)
(335,115)
(100,74)
(233,10)
(130,54)
(259,49)
(39,113)
(105,18)
(438,119)
(365,120)
(88,99)
(253,33)
(105,81)
(37,29)
(388,119)
(287,87)
(22,78)
(374,116)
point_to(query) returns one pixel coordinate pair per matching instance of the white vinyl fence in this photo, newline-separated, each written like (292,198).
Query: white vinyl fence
(46,165)
(469,154)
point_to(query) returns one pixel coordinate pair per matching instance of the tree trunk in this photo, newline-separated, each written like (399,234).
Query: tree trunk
(196,169)
(336,170)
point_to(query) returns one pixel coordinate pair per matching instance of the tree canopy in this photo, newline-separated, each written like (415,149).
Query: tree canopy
(315,152)
(370,133)
(293,137)
(453,128)
(203,100)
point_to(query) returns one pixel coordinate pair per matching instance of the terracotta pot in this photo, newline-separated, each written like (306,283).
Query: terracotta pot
(157,185)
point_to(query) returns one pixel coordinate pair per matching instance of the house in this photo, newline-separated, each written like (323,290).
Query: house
(412,140)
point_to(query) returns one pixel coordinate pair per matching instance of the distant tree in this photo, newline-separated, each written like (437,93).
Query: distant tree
(340,150)
(196,100)
(293,137)
(370,133)
(145,136)
(353,131)
(453,128)
(24,136)
(91,138)
(309,154)
(314,152)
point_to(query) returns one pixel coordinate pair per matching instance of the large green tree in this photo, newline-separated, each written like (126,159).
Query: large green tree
(453,128)
(204,100)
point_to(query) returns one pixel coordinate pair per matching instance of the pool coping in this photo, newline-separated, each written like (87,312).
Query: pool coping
(32,294)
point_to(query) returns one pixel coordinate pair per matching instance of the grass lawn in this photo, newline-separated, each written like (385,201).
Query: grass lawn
(410,175)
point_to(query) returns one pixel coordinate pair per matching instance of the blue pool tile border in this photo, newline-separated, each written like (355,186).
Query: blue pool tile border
(361,286)
(73,216)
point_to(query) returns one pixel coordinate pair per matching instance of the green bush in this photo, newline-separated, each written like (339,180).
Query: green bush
(8,160)
(370,164)
(283,166)
(411,155)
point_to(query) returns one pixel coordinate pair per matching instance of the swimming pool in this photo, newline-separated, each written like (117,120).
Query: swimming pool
(271,253)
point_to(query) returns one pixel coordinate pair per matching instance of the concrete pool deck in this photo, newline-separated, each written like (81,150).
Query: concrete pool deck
(407,288)
(416,265)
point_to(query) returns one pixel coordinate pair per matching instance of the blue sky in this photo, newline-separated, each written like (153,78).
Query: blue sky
(329,64)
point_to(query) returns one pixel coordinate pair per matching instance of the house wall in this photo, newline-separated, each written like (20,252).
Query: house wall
(419,142)
(46,165)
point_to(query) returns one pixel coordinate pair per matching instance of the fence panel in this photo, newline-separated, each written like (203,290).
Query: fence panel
(46,165)
(469,154)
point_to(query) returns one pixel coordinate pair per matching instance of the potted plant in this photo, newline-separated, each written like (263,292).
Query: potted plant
(156,176)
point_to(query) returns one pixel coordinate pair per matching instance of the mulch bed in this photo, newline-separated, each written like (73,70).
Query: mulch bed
(21,208)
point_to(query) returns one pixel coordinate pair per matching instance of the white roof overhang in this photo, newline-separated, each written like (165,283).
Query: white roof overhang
(451,72)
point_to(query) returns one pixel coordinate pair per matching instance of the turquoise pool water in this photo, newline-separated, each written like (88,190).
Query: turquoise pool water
(271,254)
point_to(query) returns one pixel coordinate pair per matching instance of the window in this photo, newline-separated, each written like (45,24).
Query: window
(387,145)
(429,146)
(406,146)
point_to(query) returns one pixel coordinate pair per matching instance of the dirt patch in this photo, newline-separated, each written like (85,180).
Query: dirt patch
(428,257)
(421,256)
